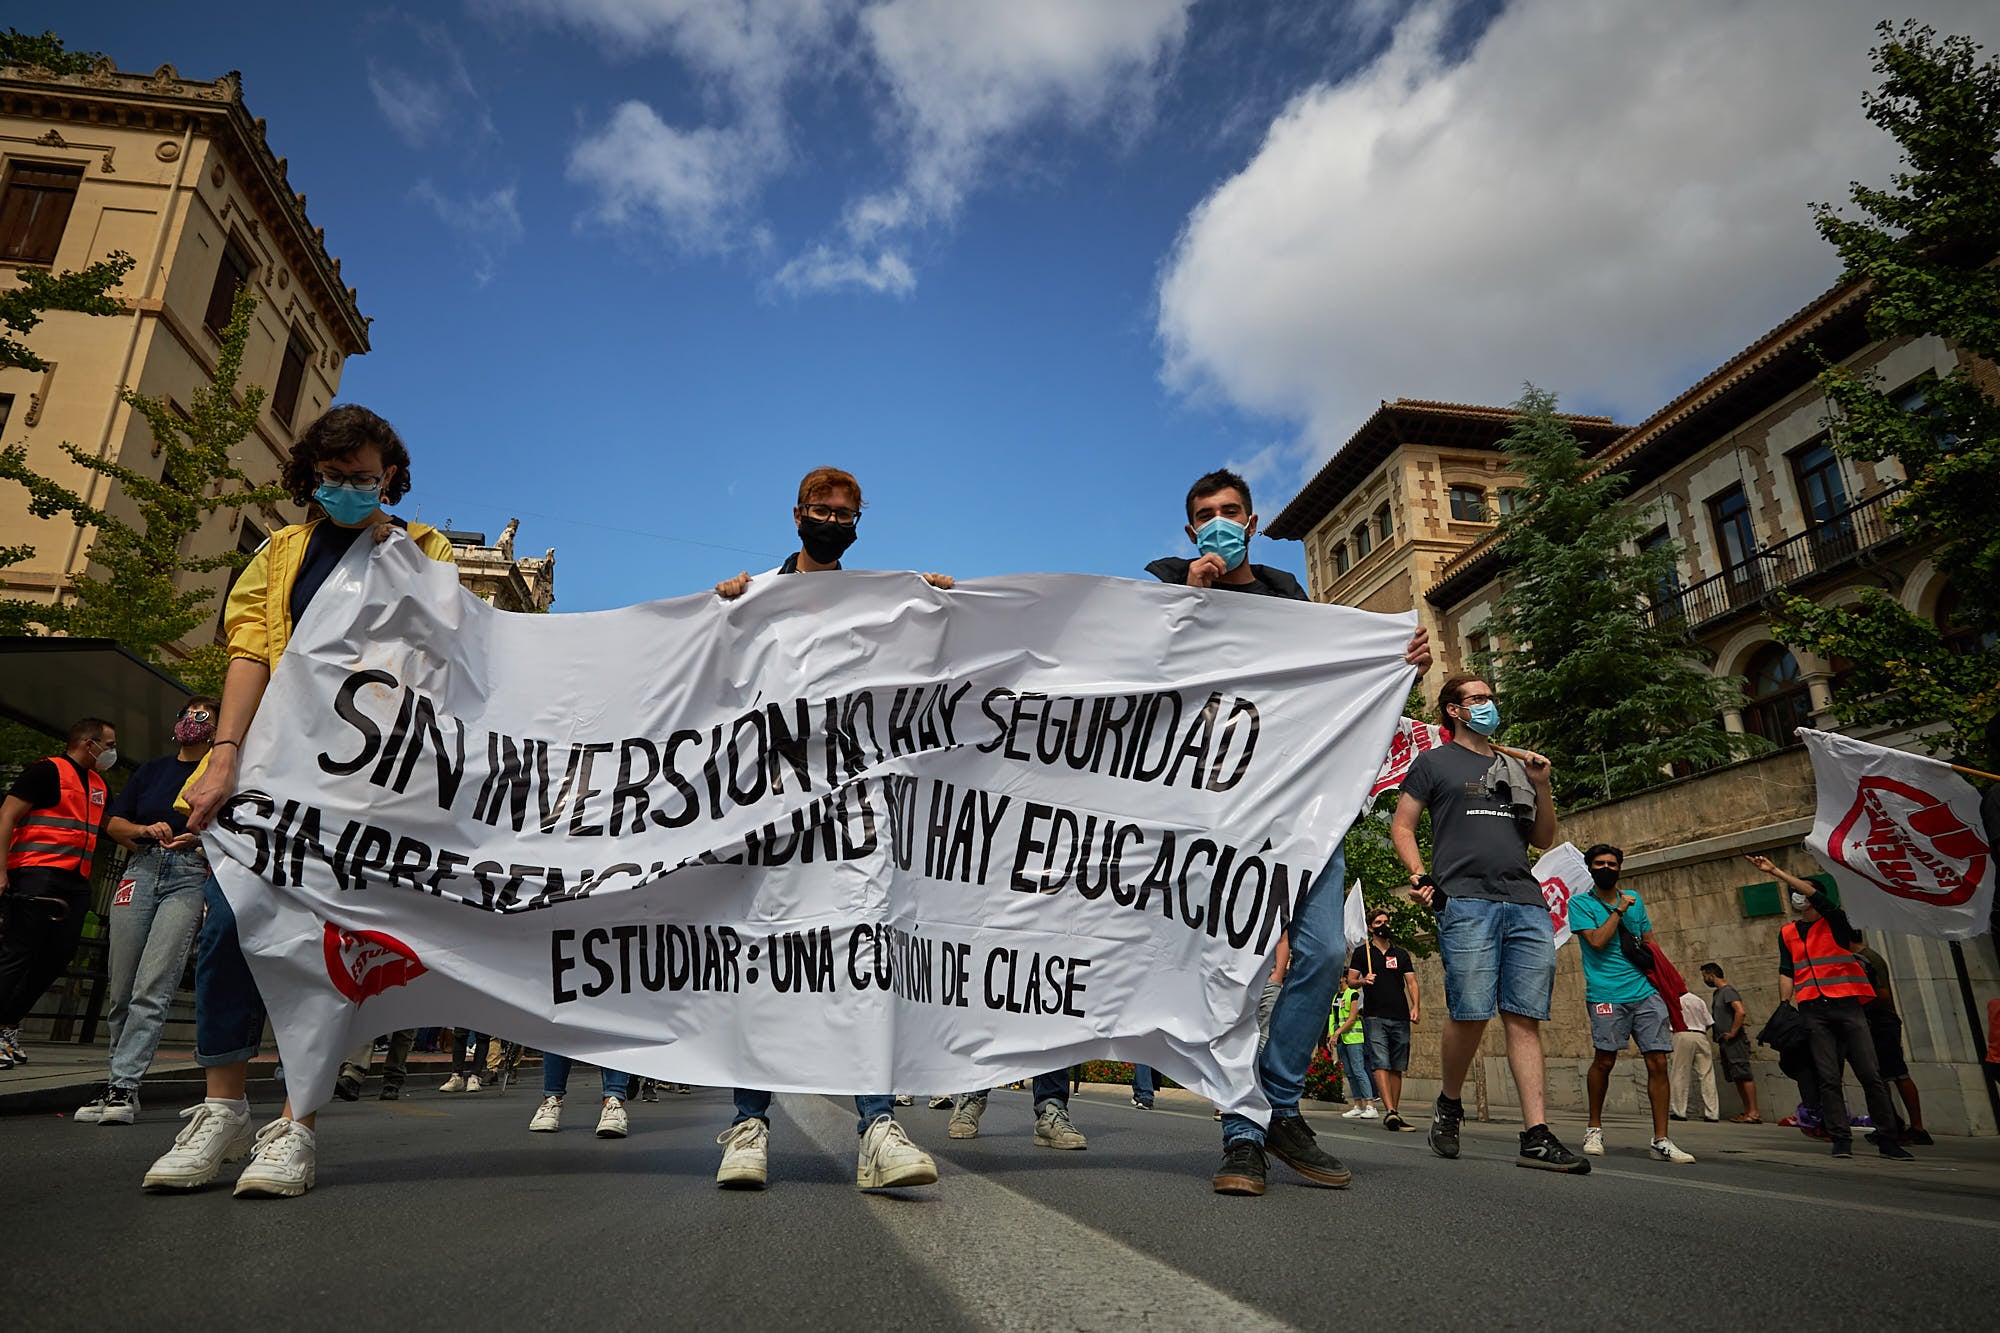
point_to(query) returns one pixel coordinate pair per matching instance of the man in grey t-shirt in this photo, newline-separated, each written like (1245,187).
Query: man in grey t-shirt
(1731,1020)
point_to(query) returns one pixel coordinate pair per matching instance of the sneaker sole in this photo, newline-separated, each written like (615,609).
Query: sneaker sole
(1582,1168)
(1242,1185)
(1080,1144)
(741,1180)
(1324,1179)
(543,1129)
(912,1175)
(274,1189)
(962,1132)
(116,1120)
(188,1182)
(604,1133)
(1450,1155)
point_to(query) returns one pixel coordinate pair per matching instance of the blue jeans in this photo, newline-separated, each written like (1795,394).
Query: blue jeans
(1496,956)
(755,1104)
(1145,1082)
(1354,1064)
(555,1078)
(152,930)
(1319,958)
(228,1011)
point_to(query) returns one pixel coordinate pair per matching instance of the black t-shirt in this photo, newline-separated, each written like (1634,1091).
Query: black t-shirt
(1264,580)
(40,785)
(1386,996)
(149,797)
(1479,825)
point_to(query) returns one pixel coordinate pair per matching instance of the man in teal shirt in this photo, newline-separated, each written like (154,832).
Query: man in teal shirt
(1623,1004)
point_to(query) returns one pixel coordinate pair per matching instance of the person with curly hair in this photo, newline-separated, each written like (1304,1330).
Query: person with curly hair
(343,470)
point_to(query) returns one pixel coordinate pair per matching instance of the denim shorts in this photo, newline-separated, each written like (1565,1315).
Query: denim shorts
(1496,956)
(1387,1041)
(1612,1025)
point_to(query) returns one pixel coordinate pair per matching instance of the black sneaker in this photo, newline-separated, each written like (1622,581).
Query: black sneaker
(1445,1118)
(1543,1151)
(1895,1152)
(347,1088)
(1143,1106)
(1394,1121)
(1843,1147)
(1920,1137)
(391,1092)
(1290,1139)
(1675,1115)
(1242,1169)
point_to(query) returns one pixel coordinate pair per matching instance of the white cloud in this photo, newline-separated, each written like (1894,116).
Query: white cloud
(424,108)
(417,109)
(823,269)
(1606,199)
(486,224)
(693,183)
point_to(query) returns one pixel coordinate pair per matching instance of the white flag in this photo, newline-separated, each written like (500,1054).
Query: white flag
(1354,920)
(1901,834)
(850,833)
(1563,873)
(1412,738)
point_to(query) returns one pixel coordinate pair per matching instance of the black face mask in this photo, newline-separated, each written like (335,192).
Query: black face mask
(1381,932)
(1605,877)
(824,539)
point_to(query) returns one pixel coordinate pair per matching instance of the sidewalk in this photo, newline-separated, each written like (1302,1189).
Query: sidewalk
(61,1076)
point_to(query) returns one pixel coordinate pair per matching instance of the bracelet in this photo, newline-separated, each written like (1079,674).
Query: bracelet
(216,744)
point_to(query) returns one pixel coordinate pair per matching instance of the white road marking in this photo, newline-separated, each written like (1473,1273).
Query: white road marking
(1014,1263)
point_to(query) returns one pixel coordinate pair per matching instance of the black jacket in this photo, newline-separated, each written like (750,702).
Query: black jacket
(1270,582)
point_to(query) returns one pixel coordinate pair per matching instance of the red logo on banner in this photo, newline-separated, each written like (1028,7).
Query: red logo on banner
(1911,844)
(1557,895)
(362,963)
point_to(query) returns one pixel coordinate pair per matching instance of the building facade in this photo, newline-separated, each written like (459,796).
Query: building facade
(176,173)
(496,575)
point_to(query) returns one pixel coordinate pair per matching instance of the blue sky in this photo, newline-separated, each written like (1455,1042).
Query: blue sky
(1026,269)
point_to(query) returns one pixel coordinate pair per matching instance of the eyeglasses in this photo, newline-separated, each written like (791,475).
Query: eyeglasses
(366,482)
(831,514)
(1469,700)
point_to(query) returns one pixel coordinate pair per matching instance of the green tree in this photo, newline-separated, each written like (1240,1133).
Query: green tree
(1613,694)
(1372,859)
(1926,248)
(44,52)
(139,600)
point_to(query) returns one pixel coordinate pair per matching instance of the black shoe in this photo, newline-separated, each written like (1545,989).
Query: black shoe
(1895,1152)
(1445,1119)
(1843,1147)
(347,1088)
(1143,1106)
(1394,1121)
(1242,1169)
(1290,1139)
(1543,1151)
(390,1093)
(1675,1115)
(1920,1137)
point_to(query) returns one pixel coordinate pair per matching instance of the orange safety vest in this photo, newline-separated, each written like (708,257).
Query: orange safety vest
(62,836)
(1821,969)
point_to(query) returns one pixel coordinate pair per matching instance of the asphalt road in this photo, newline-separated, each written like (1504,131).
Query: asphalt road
(443,1210)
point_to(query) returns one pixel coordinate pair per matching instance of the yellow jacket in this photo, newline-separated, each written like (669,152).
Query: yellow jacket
(257,621)
(258,618)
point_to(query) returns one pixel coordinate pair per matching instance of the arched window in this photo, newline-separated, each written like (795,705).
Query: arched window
(1385,523)
(1468,504)
(1363,543)
(1775,697)
(1341,561)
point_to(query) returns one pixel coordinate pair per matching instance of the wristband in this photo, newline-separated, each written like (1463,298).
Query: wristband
(216,745)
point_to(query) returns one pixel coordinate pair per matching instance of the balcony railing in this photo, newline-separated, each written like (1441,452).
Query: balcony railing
(1831,543)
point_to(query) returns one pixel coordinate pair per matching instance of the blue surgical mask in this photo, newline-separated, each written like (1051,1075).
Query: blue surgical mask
(1220,536)
(347,505)
(1483,717)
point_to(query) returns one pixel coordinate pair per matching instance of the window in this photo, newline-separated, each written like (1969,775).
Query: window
(1914,400)
(1735,539)
(1775,699)
(1468,504)
(248,539)
(1823,497)
(285,401)
(1341,562)
(6,412)
(1509,499)
(34,209)
(1668,583)
(1363,543)
(1385,523)
(1478,650)
(232,272)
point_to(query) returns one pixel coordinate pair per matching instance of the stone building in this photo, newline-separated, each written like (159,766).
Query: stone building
(1735,472)
(176,173)
(495,574)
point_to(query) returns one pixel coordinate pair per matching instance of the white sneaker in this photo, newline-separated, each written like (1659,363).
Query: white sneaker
(905,1099)
(121,1107)
(1665,1151)
(745,1156)
(92,1111)
(548,1116)
(888,1158)
(456,1083)
(213,1135)
(282,1165)
(965,1120)
(1370,1113)
(611,1121)
(1593,1141)
(472,1083)
(1053,1129)
(943,1103)
(1353,1112)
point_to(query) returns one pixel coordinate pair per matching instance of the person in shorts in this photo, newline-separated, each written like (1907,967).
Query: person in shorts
(1610,924)
(1390,1003)
(1499,950)
(1732,1042)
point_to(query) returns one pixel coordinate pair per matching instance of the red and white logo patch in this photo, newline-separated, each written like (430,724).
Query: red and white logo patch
(123,898)
(1911,844)
(362,963)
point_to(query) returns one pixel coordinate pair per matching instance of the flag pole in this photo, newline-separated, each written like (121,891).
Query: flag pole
(1970,772)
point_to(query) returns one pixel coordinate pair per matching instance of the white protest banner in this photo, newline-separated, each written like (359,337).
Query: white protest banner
(1900,833)
(1412,738)
(1562,873)
(1354,918)
(847,834)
